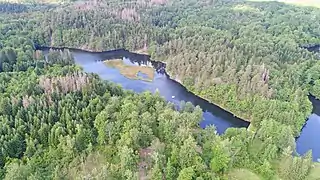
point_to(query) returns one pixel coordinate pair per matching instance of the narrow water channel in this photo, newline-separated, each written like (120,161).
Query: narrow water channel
(92,62)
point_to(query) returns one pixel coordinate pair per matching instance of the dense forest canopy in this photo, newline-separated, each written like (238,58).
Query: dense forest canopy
(310,3)
(243,56)
(58,122)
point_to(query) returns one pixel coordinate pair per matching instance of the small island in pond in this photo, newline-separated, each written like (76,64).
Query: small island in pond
(132,72)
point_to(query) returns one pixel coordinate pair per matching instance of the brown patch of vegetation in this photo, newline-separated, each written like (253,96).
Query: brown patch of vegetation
(129,14)
(159,2)
(86,5)
(37,54)
(131,72)
(64,84)
(26,101)
(143,153)
(152,2)
(145,162)
(14,100)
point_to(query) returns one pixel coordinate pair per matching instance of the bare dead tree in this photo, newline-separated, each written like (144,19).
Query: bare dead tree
(27,100)
(64,84)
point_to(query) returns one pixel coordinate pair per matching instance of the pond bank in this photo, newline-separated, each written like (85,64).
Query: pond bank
(168,88)
(92,62)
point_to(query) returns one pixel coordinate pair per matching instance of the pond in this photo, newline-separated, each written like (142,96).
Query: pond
(308,139)
(141,80)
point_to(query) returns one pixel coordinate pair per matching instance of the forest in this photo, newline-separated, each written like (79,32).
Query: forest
(58,122)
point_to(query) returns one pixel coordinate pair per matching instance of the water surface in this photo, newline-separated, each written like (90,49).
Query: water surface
(92,62)
(308,139)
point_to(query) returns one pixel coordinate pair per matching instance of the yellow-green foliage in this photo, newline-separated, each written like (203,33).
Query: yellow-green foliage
(313,3)
(90,166)
(131,72)
(243,174)
(315,172)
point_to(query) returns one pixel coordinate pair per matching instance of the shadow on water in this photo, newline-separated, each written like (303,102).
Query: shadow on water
(312,48)
(308,139)
(92,62)
(316,105)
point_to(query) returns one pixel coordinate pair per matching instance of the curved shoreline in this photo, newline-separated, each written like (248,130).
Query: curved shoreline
(218,105)
(206,106)
(162,67)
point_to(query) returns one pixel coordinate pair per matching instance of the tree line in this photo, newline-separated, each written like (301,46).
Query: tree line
(58,122)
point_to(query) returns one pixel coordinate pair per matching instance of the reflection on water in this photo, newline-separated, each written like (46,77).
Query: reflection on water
(212,115)
(308,139)
(93,63)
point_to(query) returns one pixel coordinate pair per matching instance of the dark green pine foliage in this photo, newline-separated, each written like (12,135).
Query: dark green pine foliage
(57,122)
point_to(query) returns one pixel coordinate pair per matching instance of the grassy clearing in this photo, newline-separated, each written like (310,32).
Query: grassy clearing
(313,3)
(315,172)
(131,72)
(89,167)
(243,174)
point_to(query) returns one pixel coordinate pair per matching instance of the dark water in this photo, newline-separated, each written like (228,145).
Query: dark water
(91,62)
(308,139)
(314,48)
(174,92)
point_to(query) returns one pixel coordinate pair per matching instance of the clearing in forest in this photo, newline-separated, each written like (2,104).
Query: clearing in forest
(243,174)
(144,163)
